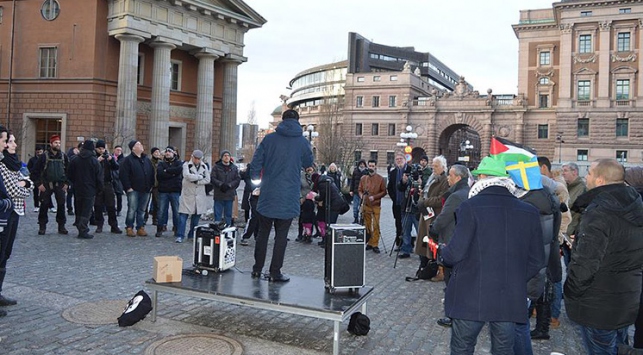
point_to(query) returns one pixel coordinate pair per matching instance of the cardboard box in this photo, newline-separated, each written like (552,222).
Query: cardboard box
(167,269)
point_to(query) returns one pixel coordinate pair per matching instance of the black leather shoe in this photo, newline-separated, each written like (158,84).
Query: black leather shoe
(445,322)
(62,230)
(255,275)
(279,278)
(376,250)
(368,247)
(85,236)
(116,230)
(99,230)
(41,231)
(4,301)
(404,256)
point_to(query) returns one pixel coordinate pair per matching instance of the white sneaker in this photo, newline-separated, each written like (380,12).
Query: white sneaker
(53,210)
(36,209)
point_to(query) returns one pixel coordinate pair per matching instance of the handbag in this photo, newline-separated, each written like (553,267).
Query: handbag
(137,308)
(425,273)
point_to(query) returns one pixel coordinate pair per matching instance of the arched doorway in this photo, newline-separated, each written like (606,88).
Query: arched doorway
(460,142)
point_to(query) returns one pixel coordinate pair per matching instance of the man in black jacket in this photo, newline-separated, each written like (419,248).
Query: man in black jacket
(31,165)
(169,174)
(225,179)
(137,176)
(86,173)
(603,286)
(397,196)
(359,171)
(106,199)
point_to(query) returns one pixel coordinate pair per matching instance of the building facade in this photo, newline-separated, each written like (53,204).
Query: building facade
(162,72)
(579,97)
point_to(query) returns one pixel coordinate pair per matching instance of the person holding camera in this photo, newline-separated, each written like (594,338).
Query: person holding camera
(410,187)
(106,198)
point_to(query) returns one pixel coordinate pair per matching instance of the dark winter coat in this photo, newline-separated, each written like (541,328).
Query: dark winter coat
(109,167)
(137,173)
(603,284)
(169,175)
(326,188)
(433,196)
(39,168)
(225,180)
(496,248)
(549,210)
(31,165)
(391,185)
(278,161)
(444,224)
(337,178)
(357,175)
(86,174)
(411,197)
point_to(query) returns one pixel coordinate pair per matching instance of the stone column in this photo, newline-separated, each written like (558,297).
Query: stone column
(229,112)
(161,81)
(604,84)
(204,105)
(566,78)
(127,85)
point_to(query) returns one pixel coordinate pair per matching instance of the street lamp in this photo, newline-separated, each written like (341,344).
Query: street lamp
(408,135)
(310,133)
(559,139)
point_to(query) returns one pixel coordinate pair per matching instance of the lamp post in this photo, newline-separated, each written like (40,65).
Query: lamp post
(408,135)
(559,139)
(465,145)
(310,133)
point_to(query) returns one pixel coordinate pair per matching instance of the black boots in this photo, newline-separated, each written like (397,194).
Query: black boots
(543,317)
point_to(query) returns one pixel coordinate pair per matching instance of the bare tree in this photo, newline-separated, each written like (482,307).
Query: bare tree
(252,114)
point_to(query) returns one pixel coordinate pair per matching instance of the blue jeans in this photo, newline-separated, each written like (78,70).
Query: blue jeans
(356,203)
(183,219)
(464,334)
(522,342)
(602,342)
(223,206)
(409,220)
(165,199)
(136,206)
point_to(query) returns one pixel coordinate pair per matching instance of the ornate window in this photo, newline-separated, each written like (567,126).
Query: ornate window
(50,10)
(585,43)
(583,127)
(622,125)
(623,42)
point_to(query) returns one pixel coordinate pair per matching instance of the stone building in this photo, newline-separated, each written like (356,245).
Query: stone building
(579,97)
(161,71)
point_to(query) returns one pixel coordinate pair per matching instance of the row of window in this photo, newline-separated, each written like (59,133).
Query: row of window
(583,155)
(375,101)
(375,129)
(622,92)
(373,155)
(626,10)
(48,67)
(361,79)
(623,44)
(582,128)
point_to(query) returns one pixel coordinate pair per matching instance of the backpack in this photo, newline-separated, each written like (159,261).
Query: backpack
(54,170)
(425,273)
(137,308)
(359,324)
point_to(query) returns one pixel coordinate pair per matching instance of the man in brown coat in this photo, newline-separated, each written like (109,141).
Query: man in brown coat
(430,205)
(371,190)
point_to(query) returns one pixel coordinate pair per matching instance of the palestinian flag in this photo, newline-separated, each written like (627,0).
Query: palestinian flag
(509,151)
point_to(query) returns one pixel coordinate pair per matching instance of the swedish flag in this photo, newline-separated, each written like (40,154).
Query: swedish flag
(525,174)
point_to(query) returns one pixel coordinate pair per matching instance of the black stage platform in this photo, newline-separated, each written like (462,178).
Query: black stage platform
(302,296)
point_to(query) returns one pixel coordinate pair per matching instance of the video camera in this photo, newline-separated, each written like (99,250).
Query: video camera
(414,171)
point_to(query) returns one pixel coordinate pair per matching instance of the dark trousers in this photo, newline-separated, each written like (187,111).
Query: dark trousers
(70,195)
(397,214)
(153,207)
(36,197)
(279,249)
(45,204)
(252,224)
(84,207)
(105,200)
(464,334)
(7,237)
(119,203)
(638,325)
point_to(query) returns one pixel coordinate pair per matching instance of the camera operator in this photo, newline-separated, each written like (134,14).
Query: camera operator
(106,198)
(425,170)
(394,178)
(410,187)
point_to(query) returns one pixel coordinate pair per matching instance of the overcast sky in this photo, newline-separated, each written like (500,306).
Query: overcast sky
(472,37)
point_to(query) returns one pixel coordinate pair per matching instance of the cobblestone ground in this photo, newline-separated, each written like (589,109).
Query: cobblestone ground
(48,274)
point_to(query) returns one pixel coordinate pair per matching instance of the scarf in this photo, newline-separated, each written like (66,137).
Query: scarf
(11,161)
(493,181)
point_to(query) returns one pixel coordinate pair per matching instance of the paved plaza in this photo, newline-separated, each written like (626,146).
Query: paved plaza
(65,286)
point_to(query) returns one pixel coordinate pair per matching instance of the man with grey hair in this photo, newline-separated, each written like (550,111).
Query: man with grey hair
(576,187)
(444,224)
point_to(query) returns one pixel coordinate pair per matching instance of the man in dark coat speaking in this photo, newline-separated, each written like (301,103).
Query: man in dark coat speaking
(495,249)
(278,161)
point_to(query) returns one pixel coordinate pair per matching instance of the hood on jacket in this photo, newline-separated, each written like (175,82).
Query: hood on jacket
(86,153)
(289,128)
(617,199)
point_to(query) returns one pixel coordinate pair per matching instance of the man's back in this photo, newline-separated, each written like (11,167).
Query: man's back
(495,250)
